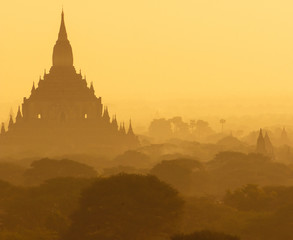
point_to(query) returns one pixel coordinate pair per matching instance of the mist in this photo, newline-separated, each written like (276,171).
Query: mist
(161,120)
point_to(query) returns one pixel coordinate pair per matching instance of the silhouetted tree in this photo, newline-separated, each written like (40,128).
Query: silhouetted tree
(231,170)
(160,129)
(11,173)
(126,207)
(203,129)
(45,169)
(255,198)
(177,172)
(250,197)
(107,172)
(192,124)
(46,207)
(222,121)
(180,128)
(133,159)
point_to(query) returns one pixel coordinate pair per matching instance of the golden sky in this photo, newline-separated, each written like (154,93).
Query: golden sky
(153,53)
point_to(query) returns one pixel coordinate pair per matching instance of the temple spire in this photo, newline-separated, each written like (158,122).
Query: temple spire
(114,122)
(260,145)
(62,32)
(269,146)
(122,128)
(18,116)
(284,138)
(92,87)
(130,130)
(106,116)
(62,53)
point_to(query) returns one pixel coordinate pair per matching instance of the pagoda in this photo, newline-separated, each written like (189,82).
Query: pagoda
(63,115)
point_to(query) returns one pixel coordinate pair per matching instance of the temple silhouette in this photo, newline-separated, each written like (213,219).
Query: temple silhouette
(264,145)
(63,115)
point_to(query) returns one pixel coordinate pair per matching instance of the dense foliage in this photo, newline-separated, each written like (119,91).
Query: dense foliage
(39,212)
(45,169)
(126,207)
(245,195)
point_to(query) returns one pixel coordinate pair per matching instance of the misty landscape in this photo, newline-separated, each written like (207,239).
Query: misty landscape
(191,147)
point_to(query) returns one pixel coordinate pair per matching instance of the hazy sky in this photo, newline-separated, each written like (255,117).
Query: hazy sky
(138,53)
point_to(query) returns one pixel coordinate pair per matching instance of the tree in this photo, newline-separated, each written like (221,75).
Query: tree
(203,129)
(133,159)
(192,124)
(248,198)
(205,235)
(126,207)
(45,169)
(180,128)
(11,173)
(231,170)
(178,172)
(46,207)
(160,129)
(222,121)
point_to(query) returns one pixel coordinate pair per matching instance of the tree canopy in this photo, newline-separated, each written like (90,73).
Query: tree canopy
(126,206)
(45,169)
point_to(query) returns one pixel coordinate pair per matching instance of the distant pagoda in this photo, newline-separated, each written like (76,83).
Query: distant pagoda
(264,145)
(63,115)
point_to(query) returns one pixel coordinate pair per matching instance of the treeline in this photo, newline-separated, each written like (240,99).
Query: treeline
(124,206)
(227,170)
(191,177)
(179,197)
(129,206)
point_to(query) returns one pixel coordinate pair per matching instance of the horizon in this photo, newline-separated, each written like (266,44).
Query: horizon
(213,60)
(149,120)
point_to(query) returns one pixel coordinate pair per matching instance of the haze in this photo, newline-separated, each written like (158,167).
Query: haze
(158,58)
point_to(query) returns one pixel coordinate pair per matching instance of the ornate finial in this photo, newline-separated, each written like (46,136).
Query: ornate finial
(33,88)
(106,116)
(92,87)
(62,32)
(122,128)
(130,130)
(18,116)
(62,53)
(114,122)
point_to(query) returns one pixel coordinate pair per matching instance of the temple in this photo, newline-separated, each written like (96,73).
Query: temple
(264,145)
(63,115)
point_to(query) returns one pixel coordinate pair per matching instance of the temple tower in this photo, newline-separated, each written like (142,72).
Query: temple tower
(63,115)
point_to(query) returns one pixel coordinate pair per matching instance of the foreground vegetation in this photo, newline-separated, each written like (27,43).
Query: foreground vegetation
(233,196)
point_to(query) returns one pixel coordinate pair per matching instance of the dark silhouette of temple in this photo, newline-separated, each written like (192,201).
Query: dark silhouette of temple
(63,114)
(264,145)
